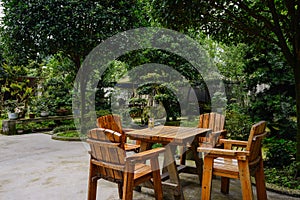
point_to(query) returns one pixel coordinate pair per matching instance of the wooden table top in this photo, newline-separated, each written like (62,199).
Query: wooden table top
(168,134)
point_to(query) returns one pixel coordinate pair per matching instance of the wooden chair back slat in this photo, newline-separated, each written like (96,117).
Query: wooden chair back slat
(112,122)
(257,133)
(219,122)
(212,120)
(204,121)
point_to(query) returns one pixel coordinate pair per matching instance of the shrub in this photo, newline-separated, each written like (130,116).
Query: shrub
(284,177)
(280,152)
(100,113)
(64,128)
(238,124)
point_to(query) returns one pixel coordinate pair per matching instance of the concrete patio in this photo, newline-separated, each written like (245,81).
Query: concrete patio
(34,166)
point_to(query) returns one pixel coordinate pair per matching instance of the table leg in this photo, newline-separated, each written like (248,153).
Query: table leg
(198,161)
(183,150)
(145,146)
(170,165)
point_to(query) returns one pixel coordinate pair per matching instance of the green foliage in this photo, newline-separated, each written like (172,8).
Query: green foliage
(64,128)
(58,74)
(238,124)
(284,177)
(10,105)
(135,112)
(258,23)
(16,86)
(138,101)
(280,152)
(37,126)
(100,113)
(35,28)
(69,134)
(275,100)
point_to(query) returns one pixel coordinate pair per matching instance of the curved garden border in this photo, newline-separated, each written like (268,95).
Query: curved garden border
(62,138)
(279,189)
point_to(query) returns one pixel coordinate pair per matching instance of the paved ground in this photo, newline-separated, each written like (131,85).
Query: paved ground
(35,167)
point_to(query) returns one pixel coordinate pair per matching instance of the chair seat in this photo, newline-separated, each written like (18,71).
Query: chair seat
(132,147)
(226,166)
(141,170)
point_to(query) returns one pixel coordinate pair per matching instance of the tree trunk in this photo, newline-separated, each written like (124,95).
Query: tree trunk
(297,87)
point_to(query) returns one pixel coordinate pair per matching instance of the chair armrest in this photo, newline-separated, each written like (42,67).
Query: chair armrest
(145,155)
(127,130)
(213,138)
(215,152)
(233,142)
(222,133)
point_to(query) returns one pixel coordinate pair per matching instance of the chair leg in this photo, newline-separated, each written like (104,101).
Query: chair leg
(120,190)
(92,185)
(260,182)
(128,182)
(198,162)
(156,178)
(225,182)
(245,180)
(207,178)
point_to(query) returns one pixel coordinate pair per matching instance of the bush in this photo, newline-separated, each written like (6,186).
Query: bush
(101,113)
(284,177)
(69,134)
(238,124)
(64,128)
(280,152)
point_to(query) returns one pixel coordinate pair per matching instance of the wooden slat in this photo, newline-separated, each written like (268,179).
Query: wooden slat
(167,134)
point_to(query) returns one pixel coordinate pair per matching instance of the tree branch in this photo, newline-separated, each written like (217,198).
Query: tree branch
(252,30)
(282,41)
(253,13)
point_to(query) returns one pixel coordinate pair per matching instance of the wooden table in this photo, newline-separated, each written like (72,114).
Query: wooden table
(171,137)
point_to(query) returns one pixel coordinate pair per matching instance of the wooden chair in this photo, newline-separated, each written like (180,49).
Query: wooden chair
(214,121)
(239,164)
(113,122)
(108,161)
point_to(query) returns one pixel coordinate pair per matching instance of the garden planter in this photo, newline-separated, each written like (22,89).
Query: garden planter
(31,115)
(62,112)
(44,114)
(13,116)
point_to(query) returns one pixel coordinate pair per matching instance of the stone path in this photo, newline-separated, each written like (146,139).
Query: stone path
(34,167)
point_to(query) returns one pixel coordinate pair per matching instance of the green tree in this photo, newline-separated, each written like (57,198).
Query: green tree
(274,22)
(32,29)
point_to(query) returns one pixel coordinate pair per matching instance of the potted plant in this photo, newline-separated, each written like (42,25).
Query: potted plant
(44,111)
(42,107)
(11,109)
(32,107)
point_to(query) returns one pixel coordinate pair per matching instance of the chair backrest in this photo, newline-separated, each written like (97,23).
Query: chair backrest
(112,122)
(254,145)
(106,152)
(214,121)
